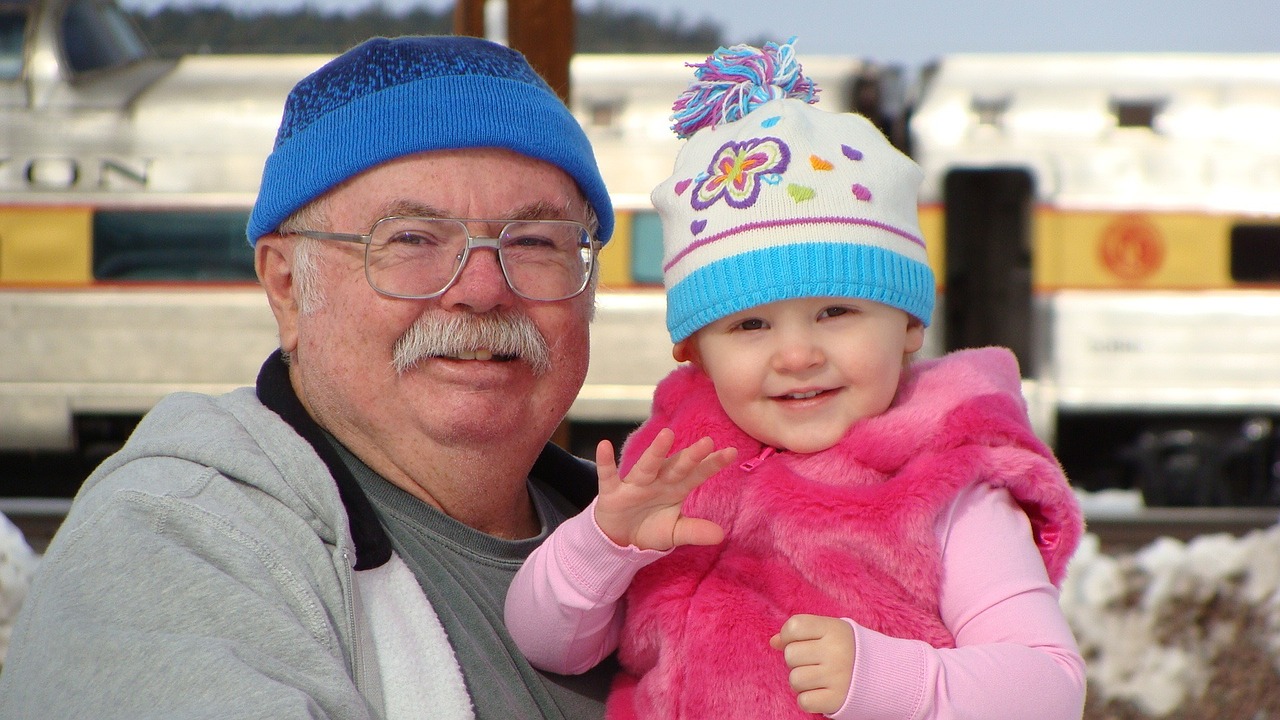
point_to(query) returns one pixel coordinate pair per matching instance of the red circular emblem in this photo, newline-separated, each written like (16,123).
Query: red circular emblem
(1131,247)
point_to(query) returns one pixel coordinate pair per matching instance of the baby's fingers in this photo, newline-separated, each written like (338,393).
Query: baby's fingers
(819,653)
(653,460)
(713,463)
(694,464)
(606,466)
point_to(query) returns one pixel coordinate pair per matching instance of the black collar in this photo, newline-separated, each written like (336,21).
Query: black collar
(373,546)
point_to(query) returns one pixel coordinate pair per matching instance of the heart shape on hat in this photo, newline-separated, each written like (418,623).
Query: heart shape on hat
(682,186)
(770,122)
(697,226)
(861,192)
(800,193)
(820,164)
(851,153)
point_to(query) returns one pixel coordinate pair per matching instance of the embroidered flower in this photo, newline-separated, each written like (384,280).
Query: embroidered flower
(738,168)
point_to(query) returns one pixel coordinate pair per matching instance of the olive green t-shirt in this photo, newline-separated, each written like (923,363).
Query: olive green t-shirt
(465,574)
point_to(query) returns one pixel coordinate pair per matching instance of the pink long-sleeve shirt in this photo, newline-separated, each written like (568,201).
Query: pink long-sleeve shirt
(1015,656)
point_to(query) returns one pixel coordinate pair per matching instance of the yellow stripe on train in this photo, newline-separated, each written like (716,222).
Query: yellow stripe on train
(1173,250)
(1126,249)
(46,245)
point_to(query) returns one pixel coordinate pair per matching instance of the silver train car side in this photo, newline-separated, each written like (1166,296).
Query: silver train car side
(1115,219)
(126,180)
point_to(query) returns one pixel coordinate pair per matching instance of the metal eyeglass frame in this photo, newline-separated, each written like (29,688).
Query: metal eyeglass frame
(473,241)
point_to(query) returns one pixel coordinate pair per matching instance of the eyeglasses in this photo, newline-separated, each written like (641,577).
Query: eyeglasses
(418,258)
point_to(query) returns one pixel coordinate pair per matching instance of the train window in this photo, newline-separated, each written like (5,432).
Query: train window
(646,247)
(990,111)
(12,26)
(98,36)
(1136,113)
(169,245)
(605,113)
(1255,253)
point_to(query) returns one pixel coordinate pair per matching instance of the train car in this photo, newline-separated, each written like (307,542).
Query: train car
(125,183)
(1115,219)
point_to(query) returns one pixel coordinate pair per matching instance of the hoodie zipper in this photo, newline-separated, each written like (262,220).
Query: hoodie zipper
(353,622)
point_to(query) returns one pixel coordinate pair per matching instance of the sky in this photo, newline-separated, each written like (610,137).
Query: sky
(914,32)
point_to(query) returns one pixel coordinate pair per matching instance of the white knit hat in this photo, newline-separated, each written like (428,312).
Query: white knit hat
(773,199)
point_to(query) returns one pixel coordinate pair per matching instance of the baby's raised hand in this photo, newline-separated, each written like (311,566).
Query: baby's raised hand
(643,509)
(819,651)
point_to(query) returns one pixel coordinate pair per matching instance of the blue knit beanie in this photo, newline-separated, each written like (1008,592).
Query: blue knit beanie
(772,198)
(387,98)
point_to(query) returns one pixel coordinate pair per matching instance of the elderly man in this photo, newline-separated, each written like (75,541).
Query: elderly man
(337,541)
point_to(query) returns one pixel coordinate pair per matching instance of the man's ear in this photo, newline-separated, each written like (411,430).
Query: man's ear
(273,261)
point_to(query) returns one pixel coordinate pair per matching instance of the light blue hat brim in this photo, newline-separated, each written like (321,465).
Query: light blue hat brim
(798,270)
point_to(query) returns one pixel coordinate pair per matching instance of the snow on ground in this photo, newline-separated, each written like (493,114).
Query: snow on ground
(1177,629)
(1174,630)
(1180,630)
(17,565)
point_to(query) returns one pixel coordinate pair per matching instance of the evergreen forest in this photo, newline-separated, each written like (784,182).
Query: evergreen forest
(601,28)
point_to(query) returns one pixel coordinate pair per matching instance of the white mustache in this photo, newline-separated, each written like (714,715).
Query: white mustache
(507,335)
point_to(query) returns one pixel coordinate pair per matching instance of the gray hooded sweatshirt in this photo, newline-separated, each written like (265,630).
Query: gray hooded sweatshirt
(208,569)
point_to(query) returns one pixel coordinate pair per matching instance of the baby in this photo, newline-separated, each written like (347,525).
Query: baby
(874,537)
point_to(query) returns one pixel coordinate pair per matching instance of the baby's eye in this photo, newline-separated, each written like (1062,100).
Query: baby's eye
(834,311)
(750,324)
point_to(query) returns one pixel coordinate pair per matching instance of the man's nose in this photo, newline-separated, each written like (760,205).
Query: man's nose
(480,285)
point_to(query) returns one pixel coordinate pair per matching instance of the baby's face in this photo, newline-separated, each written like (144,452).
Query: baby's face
(796,374)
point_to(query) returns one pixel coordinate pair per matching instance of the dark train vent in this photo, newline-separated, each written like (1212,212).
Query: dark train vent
(990,110)
(1255,253)
(1131,113)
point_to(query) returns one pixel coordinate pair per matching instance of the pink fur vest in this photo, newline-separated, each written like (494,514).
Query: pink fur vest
(846,532)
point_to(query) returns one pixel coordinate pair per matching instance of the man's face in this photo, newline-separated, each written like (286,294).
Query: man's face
(343,353)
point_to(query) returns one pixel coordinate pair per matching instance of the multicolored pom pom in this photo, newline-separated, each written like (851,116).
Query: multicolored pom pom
(734,81)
